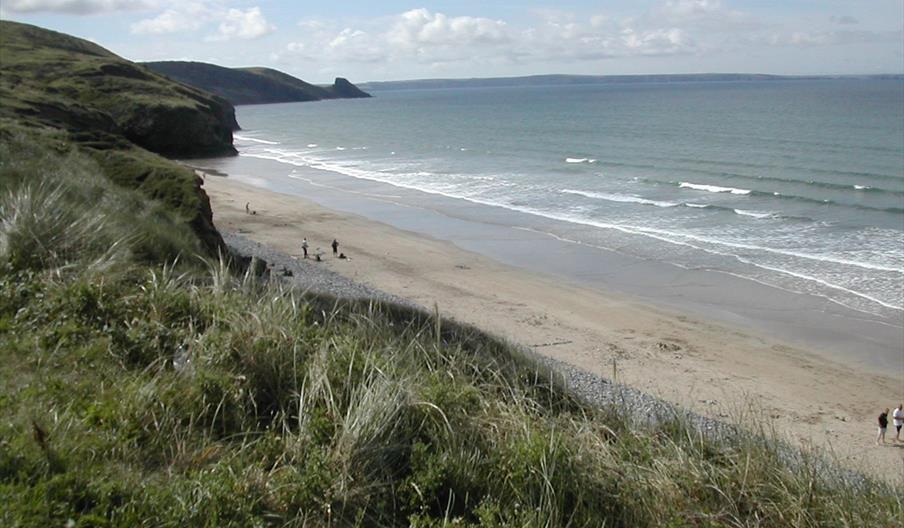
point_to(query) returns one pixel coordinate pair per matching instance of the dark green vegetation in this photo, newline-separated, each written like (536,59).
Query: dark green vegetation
(253,85)
(69,83)
(77,96)
(135,391)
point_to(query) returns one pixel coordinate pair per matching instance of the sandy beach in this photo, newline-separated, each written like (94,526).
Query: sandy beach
(712,368)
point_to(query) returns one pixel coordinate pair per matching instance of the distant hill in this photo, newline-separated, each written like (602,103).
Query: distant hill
(253,85)
(559,80)
(118,113)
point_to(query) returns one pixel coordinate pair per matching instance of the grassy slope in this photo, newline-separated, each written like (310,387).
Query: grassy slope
(69,83)
(138,393)
(278,76)
(341,88)
(114,111)
(236,85)
(252,85)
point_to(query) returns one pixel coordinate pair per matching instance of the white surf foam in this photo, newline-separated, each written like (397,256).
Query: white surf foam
(624,198)
(677,238)
(862,187)
(697,206)
(340,148)
(713,188)
(747,277)
(312,145)
(254,140)
(371,195)
(580,160)
(754,214)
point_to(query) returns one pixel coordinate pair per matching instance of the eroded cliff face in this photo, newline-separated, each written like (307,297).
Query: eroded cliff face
(181,132)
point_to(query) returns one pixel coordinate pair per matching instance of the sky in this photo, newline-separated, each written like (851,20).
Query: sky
(392,40)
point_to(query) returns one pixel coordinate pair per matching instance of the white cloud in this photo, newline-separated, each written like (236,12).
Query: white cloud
(703,15)
(355,45)
(418,34)
(297,47)
(829,38)
(188,17)
(691,8)
(844,20)
(658,41)
(420,27)
(248,24)
(700,32)
(312,25)
(76,7)
(671,27)
(192,16)
(599,20)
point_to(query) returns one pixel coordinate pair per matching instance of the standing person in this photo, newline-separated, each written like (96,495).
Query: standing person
(304,247)
(335,245)
(883,426)
(899,420)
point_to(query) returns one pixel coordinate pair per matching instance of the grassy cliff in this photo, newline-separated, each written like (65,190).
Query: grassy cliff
(253,85)
(75,94)
(69,83)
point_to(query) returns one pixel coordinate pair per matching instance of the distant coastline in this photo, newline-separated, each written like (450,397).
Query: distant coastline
(244,86)
(557,79)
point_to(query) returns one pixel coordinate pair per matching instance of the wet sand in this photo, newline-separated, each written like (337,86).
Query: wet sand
(721,370)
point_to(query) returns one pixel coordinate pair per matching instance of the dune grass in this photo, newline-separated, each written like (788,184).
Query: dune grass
(148,387)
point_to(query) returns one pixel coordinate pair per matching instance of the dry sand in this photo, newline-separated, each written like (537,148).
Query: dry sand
(713,369)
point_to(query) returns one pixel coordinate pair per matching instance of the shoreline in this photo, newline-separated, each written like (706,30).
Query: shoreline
(605,260)
(709,368)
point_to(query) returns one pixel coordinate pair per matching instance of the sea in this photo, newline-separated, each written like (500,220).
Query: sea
(796,186)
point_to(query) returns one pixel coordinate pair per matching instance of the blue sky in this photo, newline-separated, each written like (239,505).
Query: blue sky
(386,40)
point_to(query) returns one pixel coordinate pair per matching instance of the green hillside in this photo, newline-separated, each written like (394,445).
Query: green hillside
(253,85)
(119,113)
(64,82)
(316,92)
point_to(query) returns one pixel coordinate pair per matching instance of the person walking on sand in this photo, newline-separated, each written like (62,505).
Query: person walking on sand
(247,207)
(304,247)
(883,426)
(898,415)
(335,245)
